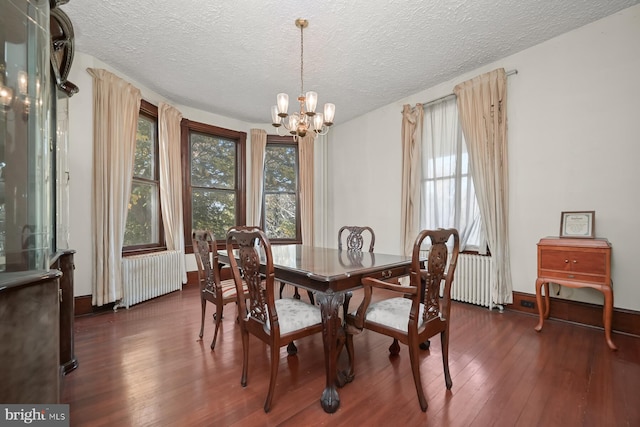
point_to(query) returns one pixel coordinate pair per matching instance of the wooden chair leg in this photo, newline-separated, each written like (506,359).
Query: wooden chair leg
(444,341)
(245,356)
(281,288)
(292,350)
(394,348)
(218,321)
(415,368)
(275,361)
(345,305)
(349,344)
(204,308)
(312,300)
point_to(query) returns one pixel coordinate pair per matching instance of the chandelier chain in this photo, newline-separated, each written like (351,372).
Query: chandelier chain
(301,61)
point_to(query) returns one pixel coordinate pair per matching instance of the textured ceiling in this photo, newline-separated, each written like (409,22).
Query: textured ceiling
(232,57)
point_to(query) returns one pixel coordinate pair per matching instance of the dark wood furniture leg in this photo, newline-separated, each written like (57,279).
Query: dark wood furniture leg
(330,302)
(543,309)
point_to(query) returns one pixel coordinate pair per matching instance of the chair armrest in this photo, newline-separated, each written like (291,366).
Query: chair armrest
(355,323)
(369,281)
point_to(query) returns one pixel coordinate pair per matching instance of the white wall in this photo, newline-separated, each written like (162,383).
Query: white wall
(574,144)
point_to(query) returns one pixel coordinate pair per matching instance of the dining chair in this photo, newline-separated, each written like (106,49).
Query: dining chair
(354,242)
(212,288)
(276,322)
(419,312)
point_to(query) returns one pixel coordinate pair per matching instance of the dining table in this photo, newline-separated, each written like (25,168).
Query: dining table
(330,273)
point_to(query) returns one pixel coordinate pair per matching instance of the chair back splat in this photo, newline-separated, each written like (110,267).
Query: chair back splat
(418,312)
(275,322)
(355,240)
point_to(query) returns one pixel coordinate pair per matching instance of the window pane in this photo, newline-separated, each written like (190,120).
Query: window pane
(280,214)
(142,219)
(213,162)
(280,169)
(213,210)
(144,164)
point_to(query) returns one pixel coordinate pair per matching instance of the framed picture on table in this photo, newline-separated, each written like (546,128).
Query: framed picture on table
(578,225)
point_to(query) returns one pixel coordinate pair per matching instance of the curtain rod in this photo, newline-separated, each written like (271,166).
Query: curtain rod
(442,98)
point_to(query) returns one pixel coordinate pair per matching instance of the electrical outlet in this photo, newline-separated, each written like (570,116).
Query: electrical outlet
(528,304)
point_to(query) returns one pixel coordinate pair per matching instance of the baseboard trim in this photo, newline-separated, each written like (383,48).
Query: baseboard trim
(83,306)
(625,321)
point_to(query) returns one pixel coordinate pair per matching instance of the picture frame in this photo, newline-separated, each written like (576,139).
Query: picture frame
(578,224)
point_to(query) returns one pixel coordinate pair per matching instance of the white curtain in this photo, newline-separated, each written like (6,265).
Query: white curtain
(171,179)
(305,155)
(448,195)
(412,118)
(116,106)
(482,104)
(258,146)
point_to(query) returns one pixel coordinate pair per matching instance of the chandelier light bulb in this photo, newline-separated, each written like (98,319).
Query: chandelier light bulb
(275,118)
(311,99)
(329,112)
(318,121)
(283,104)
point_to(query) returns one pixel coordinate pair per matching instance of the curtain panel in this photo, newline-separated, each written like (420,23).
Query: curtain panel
(448,195)
(116,106)
(482,104)
(412,118)
(169,119)
(258,147)
(305,155)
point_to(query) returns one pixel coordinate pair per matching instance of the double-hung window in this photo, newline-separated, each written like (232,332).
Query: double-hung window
(281,201)
(214,194)
(448,197)
(144,228)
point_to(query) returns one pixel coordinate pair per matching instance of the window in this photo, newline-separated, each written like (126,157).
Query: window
(214,179)
(281,206)
(448,198)
(144,222)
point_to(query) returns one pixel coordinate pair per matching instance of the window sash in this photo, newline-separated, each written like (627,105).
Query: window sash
(145,207)
(282,221)
(210,186)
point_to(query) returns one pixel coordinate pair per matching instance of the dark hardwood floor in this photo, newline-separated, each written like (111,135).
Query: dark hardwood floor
(145,367)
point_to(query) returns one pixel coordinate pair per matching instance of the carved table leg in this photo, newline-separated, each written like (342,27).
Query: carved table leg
(606,317)
(329,304)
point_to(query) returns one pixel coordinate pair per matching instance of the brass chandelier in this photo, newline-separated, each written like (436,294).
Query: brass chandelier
(299,123)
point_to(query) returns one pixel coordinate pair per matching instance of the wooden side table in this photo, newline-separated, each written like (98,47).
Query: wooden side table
(576,263)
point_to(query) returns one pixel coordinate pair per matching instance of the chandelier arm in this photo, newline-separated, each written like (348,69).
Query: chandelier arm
(323,131)
(283,134)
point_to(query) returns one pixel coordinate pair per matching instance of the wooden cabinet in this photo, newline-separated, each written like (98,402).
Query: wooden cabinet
(29,333)
(576,263)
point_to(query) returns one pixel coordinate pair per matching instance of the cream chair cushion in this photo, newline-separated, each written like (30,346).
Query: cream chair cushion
(294,314)
(393,312)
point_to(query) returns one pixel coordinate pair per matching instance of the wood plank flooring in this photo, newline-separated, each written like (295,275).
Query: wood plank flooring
(145,367)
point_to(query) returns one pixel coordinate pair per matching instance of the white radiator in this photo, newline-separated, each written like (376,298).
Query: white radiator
(472,281)
(148,276)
